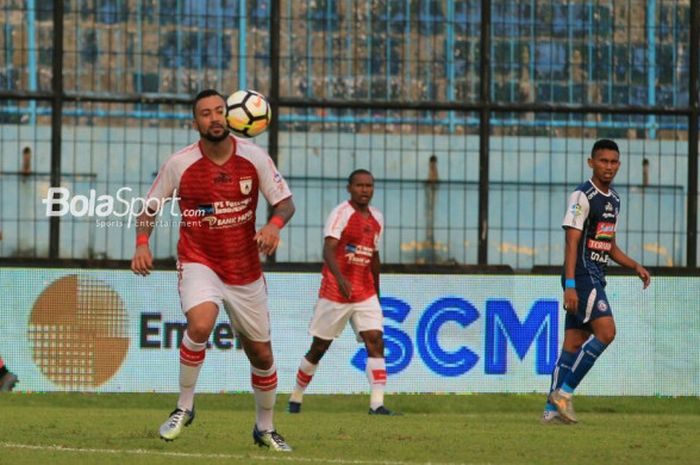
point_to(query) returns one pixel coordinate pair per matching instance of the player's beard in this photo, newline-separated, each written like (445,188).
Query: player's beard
(213,138)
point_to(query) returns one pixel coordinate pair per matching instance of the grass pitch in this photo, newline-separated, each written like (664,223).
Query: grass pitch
(436,429)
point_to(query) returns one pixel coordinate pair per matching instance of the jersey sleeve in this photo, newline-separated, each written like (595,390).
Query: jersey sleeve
(272,185)
(336,222)
(163,188)
(577,211)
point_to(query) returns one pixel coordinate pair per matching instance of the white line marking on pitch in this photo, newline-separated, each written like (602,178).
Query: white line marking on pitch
(59,448)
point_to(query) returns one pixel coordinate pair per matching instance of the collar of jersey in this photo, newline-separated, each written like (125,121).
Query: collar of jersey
(600,191)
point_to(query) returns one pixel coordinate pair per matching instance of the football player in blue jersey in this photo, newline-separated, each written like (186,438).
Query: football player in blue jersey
(590,224)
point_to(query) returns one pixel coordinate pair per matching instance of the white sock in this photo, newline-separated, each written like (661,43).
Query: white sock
(191,360)
(265,389)
(376,374)
(304,374)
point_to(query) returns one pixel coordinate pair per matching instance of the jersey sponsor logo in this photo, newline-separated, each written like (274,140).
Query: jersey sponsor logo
(358,254)
(599,257)
(605,230)
(231,206)
(599,245)
(223,178)
(216,223)
(207,209)
(246,185)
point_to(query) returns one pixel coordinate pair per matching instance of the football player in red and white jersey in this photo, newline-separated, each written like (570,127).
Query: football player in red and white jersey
(349,290)
(216,181)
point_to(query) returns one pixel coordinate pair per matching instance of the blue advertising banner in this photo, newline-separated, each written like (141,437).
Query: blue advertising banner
(112,331)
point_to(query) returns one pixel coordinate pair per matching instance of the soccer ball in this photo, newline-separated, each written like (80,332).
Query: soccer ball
(248,113)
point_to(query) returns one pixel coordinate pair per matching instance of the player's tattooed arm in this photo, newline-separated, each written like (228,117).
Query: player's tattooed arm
(623,260)
(284,210)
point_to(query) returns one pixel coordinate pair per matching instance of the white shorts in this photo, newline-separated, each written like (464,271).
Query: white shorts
(246,305)
(331,317)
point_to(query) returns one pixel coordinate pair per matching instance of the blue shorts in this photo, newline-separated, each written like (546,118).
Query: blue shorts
(592,304)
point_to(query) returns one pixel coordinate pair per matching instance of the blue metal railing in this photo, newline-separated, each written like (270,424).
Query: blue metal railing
(450,121)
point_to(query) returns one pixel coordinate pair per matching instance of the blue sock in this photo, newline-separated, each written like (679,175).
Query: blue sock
(561,371)
(590,351)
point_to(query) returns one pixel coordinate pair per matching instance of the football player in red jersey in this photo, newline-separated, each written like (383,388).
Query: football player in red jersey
(349,290)
(216,182)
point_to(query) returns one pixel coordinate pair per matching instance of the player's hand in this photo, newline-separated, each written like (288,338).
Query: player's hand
(142,263)
(268,238)
(643,275)
(345,287)
(570,300)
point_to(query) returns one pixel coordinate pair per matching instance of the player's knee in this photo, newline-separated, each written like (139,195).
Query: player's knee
(606,337)
(316,352)
(374,342)
(198,332)
(262,361)
(605,330)
(314,356)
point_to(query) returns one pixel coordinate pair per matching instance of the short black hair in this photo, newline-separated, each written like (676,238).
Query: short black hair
(604,144)
(358,171)
(204,94)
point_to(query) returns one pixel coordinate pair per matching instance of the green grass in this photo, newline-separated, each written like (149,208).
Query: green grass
(115,429)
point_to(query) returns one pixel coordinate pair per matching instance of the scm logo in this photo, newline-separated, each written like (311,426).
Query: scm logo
(503,328)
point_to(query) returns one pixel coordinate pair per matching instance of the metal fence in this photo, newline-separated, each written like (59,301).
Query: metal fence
(476,117)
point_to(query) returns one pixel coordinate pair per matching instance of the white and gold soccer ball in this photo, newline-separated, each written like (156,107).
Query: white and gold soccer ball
(248,113)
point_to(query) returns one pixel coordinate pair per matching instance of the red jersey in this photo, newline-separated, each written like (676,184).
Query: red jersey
(218,204)
(358,240)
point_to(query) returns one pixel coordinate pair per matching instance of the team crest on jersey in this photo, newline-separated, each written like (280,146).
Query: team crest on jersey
(602,306)
(246,185)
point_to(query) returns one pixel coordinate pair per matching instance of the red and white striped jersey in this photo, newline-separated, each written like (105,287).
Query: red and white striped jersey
(218,204)
(358,239)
